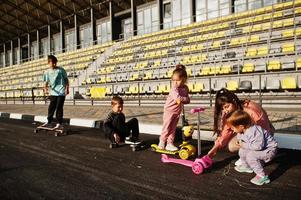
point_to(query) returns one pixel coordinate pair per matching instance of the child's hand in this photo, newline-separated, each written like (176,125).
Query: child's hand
(178,101)
(117,138)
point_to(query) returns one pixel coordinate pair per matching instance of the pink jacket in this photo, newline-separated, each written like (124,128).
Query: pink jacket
(175,94)
(258,115)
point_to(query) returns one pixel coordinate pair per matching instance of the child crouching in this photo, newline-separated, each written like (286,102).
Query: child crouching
(257,146)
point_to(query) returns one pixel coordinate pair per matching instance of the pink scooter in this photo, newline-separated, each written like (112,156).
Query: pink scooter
(199,164)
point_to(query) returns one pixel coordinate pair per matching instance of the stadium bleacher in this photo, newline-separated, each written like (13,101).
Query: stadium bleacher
(229,50)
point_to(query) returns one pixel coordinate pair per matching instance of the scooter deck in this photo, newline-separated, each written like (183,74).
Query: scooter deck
(156,149)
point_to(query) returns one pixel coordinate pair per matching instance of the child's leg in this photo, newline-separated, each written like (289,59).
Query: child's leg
(256,159)
(60,109)
(132,126)
(119,125)
(51,108)
(242,156)
(173,127)
(166,128)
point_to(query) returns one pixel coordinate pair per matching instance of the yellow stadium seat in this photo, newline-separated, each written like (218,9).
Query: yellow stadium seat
(148,75)
(288,47)
(98,92)
(157,63)
(274,65)
(251,52)
(216,44)
(198,87)
(226,69)
(134,77)
(288,33)
(277,24)
(190,86)
(298,32)
(289,83)
(214,70)
(232,85)
(169,73)
(262,51)
(288,22)
(254,38)
(205,71)
(248,67)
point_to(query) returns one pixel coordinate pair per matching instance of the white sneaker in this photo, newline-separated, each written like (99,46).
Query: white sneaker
(57,126)
(238,163)
(161,145)
(171,147)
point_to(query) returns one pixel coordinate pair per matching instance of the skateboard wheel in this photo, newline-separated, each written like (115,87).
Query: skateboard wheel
(113,145)
(184,154)
(134,149)
(35,131)
(56,134)
(197,168)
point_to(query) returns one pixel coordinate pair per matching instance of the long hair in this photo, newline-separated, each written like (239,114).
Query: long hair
(224,96)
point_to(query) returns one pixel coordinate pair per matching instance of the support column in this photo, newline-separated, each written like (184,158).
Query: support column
(38,44)
(28,46)
(76,33)
(4,52)
(93,27)
(19,53)
(115,25)
(160,12)
(62,36)
(49,40)
(134,17)
(12,52)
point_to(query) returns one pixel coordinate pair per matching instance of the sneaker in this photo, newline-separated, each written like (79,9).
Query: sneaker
(238,163)
(48,125)
(132,140)
(242,169)
(57,126)
(161,145)
(171,147)
(260,180)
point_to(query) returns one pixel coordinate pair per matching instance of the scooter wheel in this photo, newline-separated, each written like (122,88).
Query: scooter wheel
(197,168)
(184,154)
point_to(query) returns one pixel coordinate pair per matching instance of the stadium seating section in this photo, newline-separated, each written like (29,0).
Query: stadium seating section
(248,51)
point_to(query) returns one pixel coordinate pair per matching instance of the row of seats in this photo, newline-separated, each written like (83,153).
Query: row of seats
(199,70)
(248,17)
(292,82)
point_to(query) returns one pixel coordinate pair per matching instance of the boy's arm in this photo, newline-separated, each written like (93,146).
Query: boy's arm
(66,81)
(46,80)
(107,125)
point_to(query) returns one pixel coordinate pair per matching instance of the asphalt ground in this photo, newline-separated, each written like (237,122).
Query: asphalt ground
(81,166)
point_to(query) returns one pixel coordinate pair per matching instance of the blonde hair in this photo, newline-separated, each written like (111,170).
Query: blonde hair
(239,117)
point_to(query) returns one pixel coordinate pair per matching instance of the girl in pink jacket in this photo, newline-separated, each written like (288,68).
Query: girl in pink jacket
(173,106)
(227,102)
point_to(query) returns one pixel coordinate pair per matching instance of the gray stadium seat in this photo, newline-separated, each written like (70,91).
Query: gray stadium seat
(245,85)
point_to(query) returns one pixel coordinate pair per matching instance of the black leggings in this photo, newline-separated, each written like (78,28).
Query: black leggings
(56,104)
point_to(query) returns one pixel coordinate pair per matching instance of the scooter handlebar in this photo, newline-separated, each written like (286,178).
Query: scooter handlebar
(196,110)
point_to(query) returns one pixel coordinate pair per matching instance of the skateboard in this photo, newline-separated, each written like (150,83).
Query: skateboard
(197,166)
(56,131)
(135,146)
(186,150)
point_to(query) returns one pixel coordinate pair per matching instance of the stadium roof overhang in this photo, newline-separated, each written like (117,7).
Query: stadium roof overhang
(20,17)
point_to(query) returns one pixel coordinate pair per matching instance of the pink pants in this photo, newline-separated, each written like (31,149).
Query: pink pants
(170,121)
